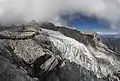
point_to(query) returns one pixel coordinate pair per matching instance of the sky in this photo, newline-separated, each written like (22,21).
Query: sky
(99,15)
(83,22)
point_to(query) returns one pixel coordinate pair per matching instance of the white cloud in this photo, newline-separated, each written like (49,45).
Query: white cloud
(108,33)
(42,10)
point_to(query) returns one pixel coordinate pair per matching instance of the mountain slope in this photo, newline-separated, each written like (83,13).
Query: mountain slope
(49,53)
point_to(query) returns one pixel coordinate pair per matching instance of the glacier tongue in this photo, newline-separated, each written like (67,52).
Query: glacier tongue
(88,57)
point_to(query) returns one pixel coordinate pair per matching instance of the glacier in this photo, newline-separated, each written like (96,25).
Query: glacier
(100,61)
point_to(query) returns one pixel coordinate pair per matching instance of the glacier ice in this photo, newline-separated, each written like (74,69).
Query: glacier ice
(100,61)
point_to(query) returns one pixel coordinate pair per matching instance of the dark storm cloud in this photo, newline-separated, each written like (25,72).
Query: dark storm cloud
(50,10)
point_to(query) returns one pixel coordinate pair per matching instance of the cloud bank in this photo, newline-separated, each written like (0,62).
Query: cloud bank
(19,11)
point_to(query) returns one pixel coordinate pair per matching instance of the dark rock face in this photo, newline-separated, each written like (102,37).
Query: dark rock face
(24,57)
(49,26)
(10,70)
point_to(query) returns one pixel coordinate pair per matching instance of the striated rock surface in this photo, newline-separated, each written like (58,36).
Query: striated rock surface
(45,52)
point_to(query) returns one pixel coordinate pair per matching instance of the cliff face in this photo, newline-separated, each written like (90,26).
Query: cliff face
(48,53)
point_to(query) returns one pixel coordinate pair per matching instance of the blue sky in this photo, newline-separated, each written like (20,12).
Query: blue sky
(84,23)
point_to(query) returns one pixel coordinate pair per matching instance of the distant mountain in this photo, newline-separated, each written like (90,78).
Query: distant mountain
(111,36)
(112,41)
